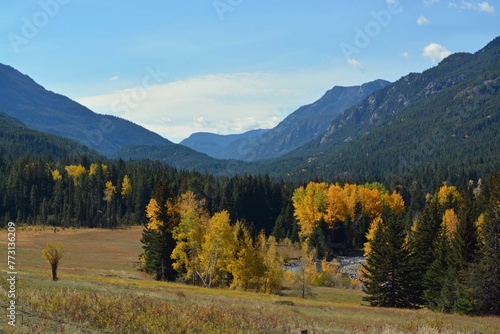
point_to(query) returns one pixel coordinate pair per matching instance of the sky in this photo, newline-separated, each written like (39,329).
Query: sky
(229,66)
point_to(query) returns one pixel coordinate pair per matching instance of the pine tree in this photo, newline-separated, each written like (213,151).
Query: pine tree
(423,242)
(486,280)
(388,275)
(158,242)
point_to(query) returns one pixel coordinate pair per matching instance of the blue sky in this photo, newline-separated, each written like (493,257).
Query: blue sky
(228,66)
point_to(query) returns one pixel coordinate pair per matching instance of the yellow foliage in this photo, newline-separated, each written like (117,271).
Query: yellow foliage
(395,202)
(126,186)
(56,175)
(371,201)
(337,208)
(189,234)
(109,191)
(217,249)
(374,226)
(449,196)
(104,168)
(480,225)
(450,221)
(310,207)
(247,266)
(75,171)
(152,212)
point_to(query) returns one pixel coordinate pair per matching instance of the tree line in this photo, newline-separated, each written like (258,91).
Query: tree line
(85,192)
(446,259)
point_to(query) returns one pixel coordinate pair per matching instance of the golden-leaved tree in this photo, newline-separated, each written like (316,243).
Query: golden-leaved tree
(189,235)
(349,205)
(246,266)
(217,250)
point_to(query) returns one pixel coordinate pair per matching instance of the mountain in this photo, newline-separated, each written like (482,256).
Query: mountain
(43,110)
(17,140)
(301,126)
(219,146)
(310,121)
(445,120)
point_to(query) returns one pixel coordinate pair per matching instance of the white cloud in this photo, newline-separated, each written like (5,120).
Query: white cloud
(435,52)
(422,20)
(481,7)
(405,54)
(486,7)
(356,64)
(114,78)
(220,103)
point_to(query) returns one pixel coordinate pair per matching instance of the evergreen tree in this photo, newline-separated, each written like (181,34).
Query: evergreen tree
(388,275)
(486,278)
(157,239)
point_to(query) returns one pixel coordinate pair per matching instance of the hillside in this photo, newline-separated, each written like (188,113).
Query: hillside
(301,126)
(220,146)
(43,110)
(445,119)
(309,121)
(17,140)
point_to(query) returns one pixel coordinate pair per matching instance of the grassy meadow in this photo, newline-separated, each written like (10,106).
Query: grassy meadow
(101,290)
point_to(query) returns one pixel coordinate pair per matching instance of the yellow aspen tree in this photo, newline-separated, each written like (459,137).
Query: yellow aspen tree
(217,249)
(350,197)
(93,168)
(274,271)
(189,234)
(75,171)
(246,266)
(480,228)
(450,221)
(126,186)
(310,205)
(395,202)
(109,191)
(337,208)
(371,202)
(56,175)
(374,226)
(152,213)
(53,253)
(449,196)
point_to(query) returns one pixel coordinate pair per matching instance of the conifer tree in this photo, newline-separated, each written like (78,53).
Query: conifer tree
(486,278)
(158,242)
(389,279)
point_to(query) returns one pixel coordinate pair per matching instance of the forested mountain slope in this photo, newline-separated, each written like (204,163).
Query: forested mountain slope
(17,140)
(445,119)
(43,110)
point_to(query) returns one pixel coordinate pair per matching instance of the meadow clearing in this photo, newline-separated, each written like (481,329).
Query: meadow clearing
(101,290)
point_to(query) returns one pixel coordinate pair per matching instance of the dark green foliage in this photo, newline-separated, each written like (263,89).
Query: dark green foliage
(424,242)
(485,283)
(389,278)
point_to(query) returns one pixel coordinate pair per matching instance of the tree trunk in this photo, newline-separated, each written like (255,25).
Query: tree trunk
(54,271)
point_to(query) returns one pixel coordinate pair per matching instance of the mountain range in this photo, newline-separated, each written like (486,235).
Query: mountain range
(301,126)
(445,119)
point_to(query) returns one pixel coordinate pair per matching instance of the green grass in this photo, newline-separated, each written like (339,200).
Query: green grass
(100,290)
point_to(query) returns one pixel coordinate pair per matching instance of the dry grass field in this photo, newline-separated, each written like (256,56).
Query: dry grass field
(100,290)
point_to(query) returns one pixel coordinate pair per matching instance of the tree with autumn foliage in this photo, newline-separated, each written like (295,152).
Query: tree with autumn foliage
(189,235)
